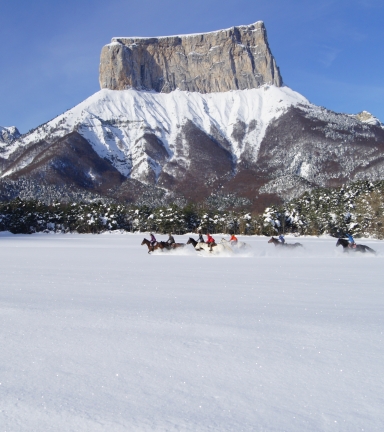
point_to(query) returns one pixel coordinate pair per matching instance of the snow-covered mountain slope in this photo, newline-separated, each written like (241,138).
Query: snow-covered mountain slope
(8,134)
(117,125)
(322,148)
(260,144)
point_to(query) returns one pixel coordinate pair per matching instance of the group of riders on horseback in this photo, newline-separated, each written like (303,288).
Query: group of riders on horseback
(348,245)
(209,243)
(210,240)
(351,241)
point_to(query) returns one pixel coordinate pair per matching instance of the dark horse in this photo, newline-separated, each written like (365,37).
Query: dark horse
(289,245)
(358,248)
(192,241)
(151,248)
(177,245)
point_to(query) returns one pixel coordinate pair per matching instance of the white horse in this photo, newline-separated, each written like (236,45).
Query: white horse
(216,250)
(238,246)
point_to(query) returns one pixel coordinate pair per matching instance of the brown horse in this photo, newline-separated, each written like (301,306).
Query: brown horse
(177,245)
(151,248)
(289,245)
(161,245)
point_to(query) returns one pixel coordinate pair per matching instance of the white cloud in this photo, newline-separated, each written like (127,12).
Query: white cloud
(327,55)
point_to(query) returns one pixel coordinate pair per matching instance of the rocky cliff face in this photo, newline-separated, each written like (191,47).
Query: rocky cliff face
(234,59)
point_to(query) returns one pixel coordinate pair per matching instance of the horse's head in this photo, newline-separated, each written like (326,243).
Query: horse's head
(271,240)
(144,241)
(189,240)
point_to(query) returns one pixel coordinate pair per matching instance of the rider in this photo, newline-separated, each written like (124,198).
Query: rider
(170,240)
(200,239)
(351,241)
(210,241)
(233,239)
(153,239)
(281,239)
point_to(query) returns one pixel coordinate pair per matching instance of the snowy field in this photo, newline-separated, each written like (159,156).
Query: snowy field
(97,335)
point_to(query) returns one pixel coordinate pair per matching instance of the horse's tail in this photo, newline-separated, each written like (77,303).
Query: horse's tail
(370,250)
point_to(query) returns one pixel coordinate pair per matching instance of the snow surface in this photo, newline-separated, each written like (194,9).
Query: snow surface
(115,121)
(97,335)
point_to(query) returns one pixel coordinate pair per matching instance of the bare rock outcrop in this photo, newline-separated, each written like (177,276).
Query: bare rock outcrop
(366,117)
(237,58)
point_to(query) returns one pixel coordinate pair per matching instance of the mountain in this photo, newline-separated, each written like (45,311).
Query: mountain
(187,143)
(237,58)
(265,144)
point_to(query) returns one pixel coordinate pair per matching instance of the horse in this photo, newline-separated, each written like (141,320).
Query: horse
(171,246)
(358,248)
(288,245)
(239,245)
(215,248)
(151,248)
(164,245)
(177,245)
(194,243)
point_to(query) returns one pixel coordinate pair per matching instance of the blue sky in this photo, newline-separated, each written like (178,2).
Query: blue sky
(329,51)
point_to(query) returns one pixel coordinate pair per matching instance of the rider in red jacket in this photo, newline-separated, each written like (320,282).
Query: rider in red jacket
(210,241)
(233,239)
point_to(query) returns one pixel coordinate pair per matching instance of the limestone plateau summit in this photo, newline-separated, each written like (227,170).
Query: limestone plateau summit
(237,58)
(182,117)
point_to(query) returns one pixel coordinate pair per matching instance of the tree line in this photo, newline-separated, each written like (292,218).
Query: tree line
(357,209)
